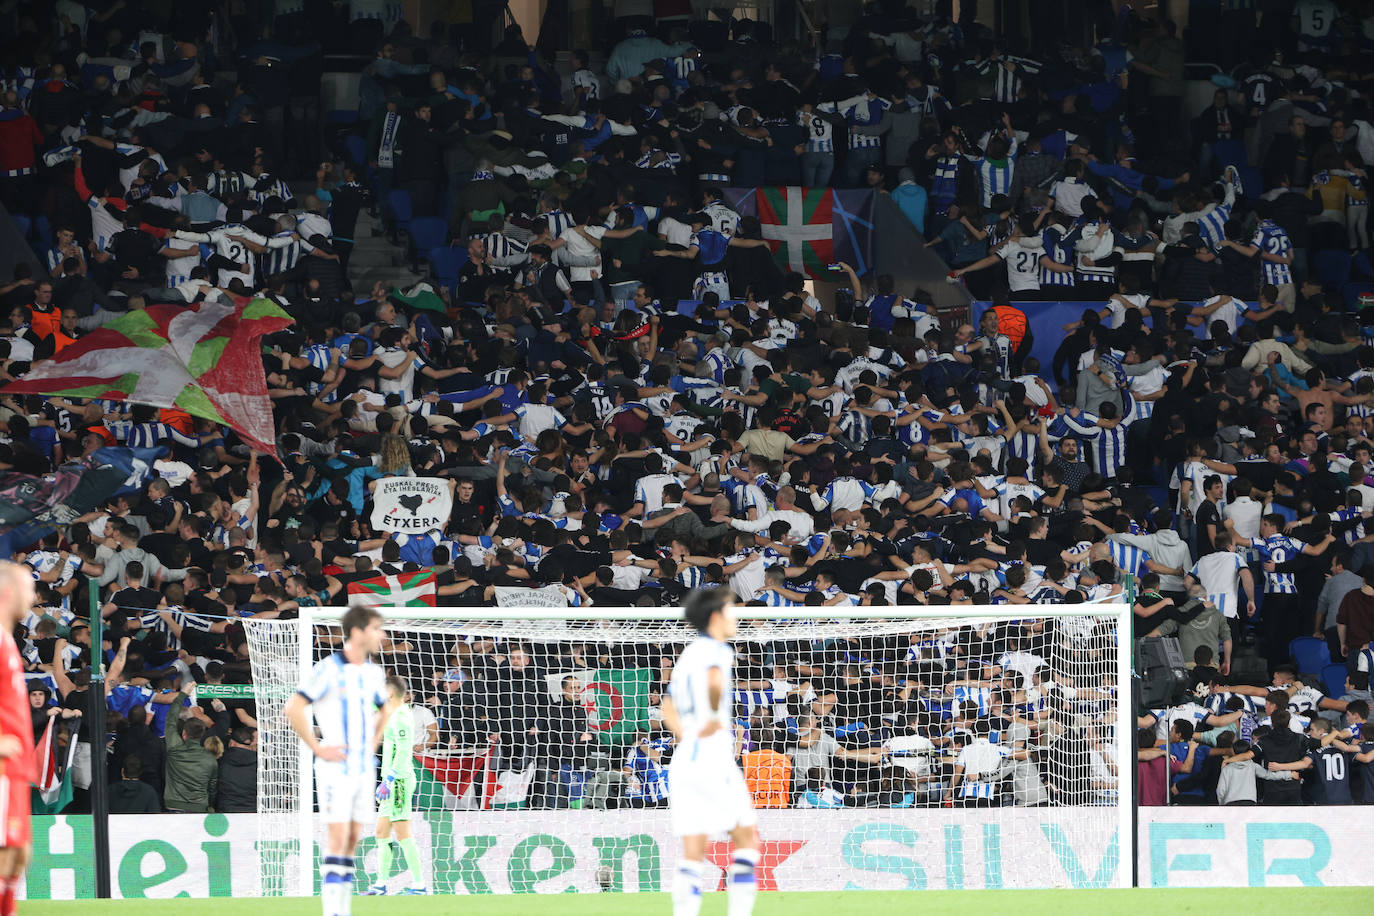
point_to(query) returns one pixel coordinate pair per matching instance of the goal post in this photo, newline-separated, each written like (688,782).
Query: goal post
(887,747)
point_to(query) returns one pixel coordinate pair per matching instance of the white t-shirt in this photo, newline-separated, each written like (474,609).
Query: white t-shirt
(423,719)
(747,581)
(535,418)
(579,247)
(649,491)
(1229,312)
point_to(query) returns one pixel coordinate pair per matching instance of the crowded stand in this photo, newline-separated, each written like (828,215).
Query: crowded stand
(627,395)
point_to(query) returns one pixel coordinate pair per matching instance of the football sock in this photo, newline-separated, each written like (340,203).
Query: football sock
(411,851)
(384,855)
(741,885)
(687,889)
(332,885)
(9,892)
(346,895)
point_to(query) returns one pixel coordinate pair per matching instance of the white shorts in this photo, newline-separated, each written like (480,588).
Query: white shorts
(345,797)
(708,799)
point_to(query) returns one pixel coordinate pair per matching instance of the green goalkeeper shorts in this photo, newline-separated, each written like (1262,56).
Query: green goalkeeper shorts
(397,806)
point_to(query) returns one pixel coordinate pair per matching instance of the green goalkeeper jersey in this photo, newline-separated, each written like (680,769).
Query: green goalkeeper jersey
(398,744)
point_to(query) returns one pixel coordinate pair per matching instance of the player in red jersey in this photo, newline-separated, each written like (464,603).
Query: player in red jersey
(17,764)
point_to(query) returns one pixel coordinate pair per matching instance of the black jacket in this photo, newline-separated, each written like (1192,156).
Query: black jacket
(238,781)
(1282,745)
(133,796)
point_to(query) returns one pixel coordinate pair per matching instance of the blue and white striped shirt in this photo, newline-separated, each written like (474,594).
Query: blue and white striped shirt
(1279,548)
(1270,238)
(344,699)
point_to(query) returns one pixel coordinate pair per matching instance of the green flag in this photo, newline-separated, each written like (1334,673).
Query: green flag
(617,703)
(425,299)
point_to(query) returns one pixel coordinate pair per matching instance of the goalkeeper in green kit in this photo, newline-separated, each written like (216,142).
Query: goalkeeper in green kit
(395,791)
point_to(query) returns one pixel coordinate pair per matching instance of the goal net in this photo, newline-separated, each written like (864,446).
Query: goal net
(886,748)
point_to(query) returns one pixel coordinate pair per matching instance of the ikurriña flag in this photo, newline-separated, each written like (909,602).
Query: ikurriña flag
(811,228)
(204,359)
(412,589)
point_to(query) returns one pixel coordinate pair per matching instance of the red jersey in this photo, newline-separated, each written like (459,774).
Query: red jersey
(15,718)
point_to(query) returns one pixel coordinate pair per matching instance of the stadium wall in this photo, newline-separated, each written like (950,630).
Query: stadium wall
(213,855)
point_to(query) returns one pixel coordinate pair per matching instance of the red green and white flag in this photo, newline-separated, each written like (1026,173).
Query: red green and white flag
(204,359)
(616,700)
(412,589)
(811,228)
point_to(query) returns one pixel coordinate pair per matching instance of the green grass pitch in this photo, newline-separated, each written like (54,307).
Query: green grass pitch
(1251,901)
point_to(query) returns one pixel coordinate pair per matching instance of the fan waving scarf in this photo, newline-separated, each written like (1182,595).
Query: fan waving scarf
(204,359)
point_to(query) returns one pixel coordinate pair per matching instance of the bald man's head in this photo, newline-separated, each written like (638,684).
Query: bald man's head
(16,592)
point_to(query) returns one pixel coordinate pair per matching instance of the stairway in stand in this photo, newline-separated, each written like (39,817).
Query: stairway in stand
(376,259)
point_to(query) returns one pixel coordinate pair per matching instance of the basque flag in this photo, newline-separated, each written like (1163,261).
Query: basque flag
(810,228)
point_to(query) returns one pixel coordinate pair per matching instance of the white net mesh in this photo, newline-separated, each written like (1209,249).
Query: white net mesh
(884,752)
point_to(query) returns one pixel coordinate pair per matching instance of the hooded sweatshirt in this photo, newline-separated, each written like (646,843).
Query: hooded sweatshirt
(1164,547)
(1283,745)
(1237,781)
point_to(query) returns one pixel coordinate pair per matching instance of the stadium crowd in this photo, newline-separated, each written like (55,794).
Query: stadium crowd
(1199,444)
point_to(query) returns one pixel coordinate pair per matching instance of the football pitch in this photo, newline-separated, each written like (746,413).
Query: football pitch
(1251,901)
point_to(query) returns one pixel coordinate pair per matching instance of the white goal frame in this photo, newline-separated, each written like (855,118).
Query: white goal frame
(1125,727)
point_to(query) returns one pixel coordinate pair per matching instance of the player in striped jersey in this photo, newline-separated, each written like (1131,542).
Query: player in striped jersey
(345,695)
(979,769)
(1056,264)
(1276,260)
(1008,71)
(996,168)
(142,430)
(1282,620)
(265,186)
(1108,434)
(818,152)
(864,149)
(709,794)
(235,244)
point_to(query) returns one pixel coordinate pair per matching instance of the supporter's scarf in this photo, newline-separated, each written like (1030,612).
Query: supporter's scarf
(386,148)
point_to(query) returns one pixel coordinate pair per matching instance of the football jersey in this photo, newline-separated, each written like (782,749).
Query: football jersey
(344,699)
(398,744)
(1219,574)
(15,718)
(1332,771)
(1022,267)
(689,690)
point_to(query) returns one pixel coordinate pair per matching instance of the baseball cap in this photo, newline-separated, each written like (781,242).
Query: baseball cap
(454,676)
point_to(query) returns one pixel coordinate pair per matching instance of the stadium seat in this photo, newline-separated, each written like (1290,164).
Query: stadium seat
(1333,680)
(355,148)
(399,210)
(1230,152)
(445,262)
(1310,654)
(426,232)
(1331,268)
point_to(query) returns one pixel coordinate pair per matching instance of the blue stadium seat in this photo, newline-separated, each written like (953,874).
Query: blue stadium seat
(399,210)
(1333,679)
(1310,654)
(445,262)
(355,148)
(1331,268)
(1231,152)
(427,232)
